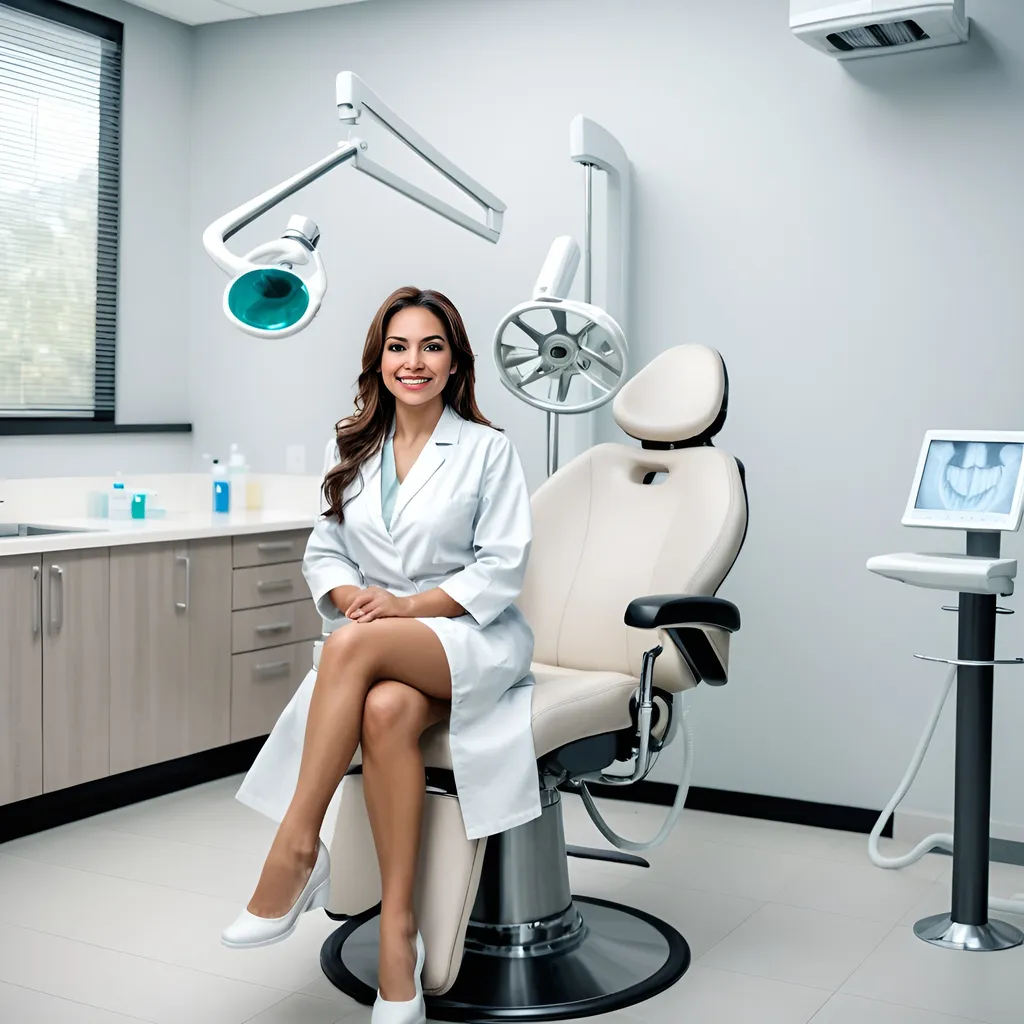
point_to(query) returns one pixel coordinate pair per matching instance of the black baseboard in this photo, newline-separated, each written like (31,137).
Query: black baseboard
(77,802)
(66,805)
(750,805)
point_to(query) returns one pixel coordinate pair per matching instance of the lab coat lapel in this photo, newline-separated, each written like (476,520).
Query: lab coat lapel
(429,461)
(371,487)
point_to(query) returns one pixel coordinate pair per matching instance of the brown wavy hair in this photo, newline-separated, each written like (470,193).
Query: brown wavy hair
(362,434)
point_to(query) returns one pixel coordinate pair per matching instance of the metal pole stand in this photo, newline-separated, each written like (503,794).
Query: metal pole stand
(967,926)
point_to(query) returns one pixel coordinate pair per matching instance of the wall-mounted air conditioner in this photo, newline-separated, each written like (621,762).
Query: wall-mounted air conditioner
(870,28)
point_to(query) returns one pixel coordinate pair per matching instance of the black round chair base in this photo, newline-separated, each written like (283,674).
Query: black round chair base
(626,957)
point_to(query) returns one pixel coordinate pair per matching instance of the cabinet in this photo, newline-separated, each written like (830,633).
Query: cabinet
(112,659)
(76,667)
(54,672)
(21,679)
(272,630)
(170,651)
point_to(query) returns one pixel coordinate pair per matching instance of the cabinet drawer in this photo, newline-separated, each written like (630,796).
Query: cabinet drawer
(267,548)
(262,683)
(267,584)
(256,628)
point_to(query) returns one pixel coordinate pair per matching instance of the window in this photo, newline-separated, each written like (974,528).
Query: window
(60,105)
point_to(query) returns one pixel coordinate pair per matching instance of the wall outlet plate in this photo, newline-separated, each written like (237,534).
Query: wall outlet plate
(295,458)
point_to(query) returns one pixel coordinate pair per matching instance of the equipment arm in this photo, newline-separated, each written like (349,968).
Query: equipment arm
(353,95)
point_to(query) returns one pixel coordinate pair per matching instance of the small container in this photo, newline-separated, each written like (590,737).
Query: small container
(221,489)
(253,494)
(238,475)
(98,505)
(120,503)
(139,505)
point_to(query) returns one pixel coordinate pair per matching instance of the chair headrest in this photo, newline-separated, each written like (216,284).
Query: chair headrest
(677,400)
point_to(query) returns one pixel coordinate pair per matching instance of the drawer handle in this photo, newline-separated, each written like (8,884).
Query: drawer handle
(275,545)
(274,627)
(273,668)
(271,585)
(57,573)
(182,606)
(38,603)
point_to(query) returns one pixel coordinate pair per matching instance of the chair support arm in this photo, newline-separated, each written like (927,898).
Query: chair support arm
(644,719)
(685,618)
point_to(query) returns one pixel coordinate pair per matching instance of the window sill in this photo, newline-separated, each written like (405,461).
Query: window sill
(30,427)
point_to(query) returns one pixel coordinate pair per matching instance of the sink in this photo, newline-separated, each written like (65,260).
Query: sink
(35,530)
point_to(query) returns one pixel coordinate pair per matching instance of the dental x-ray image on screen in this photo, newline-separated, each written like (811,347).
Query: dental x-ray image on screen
(970,476)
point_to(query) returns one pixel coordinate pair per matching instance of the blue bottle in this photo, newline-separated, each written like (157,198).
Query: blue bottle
(221,488)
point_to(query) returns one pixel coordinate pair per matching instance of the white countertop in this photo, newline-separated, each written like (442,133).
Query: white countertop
(180,526)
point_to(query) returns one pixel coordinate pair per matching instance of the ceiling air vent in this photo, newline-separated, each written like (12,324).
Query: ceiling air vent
(867,28)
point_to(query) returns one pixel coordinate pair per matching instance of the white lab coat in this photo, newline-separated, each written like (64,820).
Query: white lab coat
(461,522)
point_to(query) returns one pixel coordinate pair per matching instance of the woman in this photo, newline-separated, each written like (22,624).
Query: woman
(420,555)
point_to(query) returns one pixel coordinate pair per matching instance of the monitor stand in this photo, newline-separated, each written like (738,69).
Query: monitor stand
(968,926)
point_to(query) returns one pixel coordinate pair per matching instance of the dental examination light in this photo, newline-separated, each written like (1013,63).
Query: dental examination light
(266,297)
(562,355)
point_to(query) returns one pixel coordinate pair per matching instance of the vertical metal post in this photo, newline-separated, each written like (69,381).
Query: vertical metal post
(967,926)
(588,274)
(973,786)
(588,231)
(552,442)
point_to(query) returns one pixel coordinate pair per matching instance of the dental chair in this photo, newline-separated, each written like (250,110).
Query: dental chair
(630,545)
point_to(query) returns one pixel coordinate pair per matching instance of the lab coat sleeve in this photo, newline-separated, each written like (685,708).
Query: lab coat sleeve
(503,533)
(326,564)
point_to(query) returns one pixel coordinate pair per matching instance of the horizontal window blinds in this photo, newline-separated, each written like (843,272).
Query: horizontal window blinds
(60,100)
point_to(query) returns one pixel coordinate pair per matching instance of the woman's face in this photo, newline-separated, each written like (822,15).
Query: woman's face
(417,359)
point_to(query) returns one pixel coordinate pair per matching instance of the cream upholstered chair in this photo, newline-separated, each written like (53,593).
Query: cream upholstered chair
(630,545)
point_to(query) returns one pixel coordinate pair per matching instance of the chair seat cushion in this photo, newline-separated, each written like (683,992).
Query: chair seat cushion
(568,705)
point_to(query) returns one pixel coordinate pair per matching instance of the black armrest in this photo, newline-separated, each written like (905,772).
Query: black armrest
(683,619)
(661,610)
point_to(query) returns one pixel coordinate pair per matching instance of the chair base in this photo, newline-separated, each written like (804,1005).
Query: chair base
(624,957)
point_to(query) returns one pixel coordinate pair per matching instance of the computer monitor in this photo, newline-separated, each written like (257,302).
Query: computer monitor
(968,480)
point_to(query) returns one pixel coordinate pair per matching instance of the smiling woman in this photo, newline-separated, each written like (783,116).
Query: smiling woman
(415,568)
(438,342)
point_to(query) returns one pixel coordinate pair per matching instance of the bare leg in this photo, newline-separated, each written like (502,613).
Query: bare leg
(353,659)
(394,718)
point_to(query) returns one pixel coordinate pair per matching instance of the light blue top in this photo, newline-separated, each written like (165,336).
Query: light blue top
(388,483)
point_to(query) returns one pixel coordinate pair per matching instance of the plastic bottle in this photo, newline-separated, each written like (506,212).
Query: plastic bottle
(221,488)
(120,504)
(238,476)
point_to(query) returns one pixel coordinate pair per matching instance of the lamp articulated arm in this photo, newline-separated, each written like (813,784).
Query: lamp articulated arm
(353,96)
(265,297)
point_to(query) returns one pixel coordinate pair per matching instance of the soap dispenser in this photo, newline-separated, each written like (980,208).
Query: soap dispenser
(221,488)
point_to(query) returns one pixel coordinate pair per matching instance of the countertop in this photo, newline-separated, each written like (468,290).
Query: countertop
(175,526)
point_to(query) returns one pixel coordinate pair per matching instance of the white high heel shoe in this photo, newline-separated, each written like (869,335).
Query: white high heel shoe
(411,1011)
(249,931)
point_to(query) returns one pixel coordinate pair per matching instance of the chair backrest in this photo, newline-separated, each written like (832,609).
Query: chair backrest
(621,521)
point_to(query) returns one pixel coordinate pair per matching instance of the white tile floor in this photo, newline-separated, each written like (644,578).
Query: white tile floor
(117,919)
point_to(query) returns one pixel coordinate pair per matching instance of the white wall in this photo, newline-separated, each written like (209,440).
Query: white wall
(847,236)
(152,349)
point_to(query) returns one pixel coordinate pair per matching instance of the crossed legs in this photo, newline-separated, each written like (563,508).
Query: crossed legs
(382,683)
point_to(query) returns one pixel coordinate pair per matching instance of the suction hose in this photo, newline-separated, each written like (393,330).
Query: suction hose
(942,840)
(673,815)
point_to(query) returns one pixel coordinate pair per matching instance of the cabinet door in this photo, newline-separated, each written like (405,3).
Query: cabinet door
(209,641)
(76,667)
(21,678)
(149,654)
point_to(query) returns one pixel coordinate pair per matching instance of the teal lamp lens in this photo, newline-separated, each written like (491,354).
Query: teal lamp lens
(270,299)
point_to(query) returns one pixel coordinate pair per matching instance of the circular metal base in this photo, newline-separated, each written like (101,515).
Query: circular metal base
(625,957)
(941,930)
